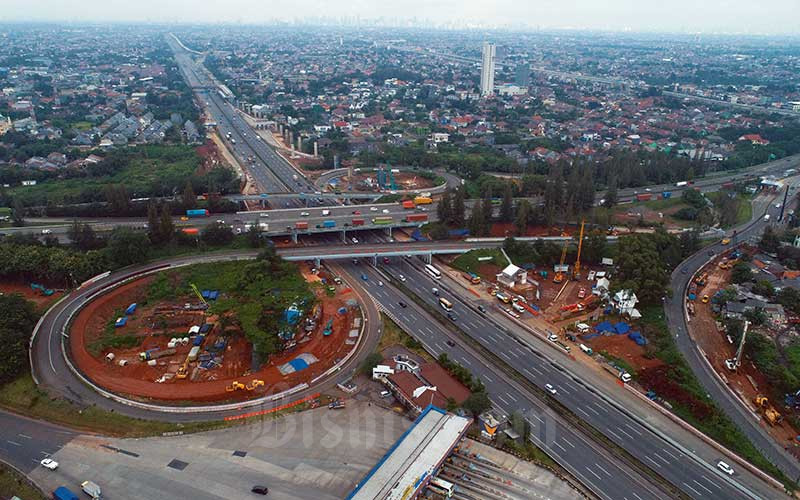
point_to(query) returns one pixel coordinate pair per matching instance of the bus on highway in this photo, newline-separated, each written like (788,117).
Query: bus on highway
(433,272)
(446,304)
(441,487)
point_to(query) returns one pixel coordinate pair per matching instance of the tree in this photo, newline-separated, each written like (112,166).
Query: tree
(476,220)
(18,213)
(611,195)
(166,228)
(641,267)
(217,234)
(189,199)
(438,231)
(17,319)
(83,236)
(764,288)
(690,242)
(507,206)
(444,209)
(523,213)
(594,246)
(370,362)
(477,403)
(126,247)
(741,273)
(459,210)
(117,198)
(254,236)
(153,225)
(770,242)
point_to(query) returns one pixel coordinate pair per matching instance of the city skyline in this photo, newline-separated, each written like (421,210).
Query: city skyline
(681,16)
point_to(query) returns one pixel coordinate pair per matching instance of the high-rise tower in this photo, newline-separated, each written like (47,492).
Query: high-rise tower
(487,69)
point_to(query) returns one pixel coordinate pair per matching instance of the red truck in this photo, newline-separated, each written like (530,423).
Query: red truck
(408,204)
(644,197)
(301,225)
(416,218)
(358,222)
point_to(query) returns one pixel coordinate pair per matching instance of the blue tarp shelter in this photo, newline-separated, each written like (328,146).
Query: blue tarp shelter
(131,309)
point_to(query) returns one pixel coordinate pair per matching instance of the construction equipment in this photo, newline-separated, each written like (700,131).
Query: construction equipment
(559,276)
(576,275)
(773,416)
(235,386)
(254,384)
(197,292)
(183,370)
(734,363)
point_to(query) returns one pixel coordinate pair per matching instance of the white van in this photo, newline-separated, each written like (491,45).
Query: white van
(582,327)
(766,217)
(586,349)
(326,213)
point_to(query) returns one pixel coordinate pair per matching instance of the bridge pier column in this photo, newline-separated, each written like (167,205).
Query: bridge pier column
(294,237)
(317,262)
(388,231)
(428,258)
(375,260)
(344,236)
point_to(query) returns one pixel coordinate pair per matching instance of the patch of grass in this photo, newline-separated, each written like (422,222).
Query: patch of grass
(110,337)
(12,483)
(24,397)
(619,363)
(394,335)
(468,262)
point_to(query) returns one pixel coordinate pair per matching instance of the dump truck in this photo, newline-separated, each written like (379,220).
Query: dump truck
(155,354)
(423,200)
(472,278)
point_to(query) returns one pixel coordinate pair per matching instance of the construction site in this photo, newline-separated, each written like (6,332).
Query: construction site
(720,325)
(186,348)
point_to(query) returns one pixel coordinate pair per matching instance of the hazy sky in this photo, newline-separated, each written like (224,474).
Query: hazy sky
(730,16)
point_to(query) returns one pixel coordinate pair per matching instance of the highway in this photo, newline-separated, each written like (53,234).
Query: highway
(677,320)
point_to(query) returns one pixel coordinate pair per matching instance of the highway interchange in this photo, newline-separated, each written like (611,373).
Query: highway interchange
(587,460)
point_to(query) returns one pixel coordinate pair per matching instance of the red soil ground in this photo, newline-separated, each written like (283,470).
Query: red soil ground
(24,289)
(138,379)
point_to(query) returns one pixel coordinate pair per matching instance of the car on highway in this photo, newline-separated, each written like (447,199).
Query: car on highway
(402,304)
(552,337)
(49,463)
(354,240)
(450,343)
(550,388)
(326,212)
(435,291)
(373,209)
(725,241)
(451,316)
(304,214)
(364,277)
(727,469)
(401,277)
(385,211)
(47,231)
(259,489)
(482,309)
(184,218)
(380,283)
(356,212)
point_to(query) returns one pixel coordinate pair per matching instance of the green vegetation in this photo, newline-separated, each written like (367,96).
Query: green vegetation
(17,319)
(110,338)
(255,293)
(731,208)
(677,384)
(370,362)
(394,335)
(619,363)
(469,262)
(12,483)
(24,397)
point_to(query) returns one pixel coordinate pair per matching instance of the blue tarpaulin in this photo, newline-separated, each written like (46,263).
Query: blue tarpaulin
(205,293)
(622,328)
(213,294)
(418,236)
(121,322)
(131,309)
(298,364)
(605,326)
(292,315)
(458,232)
(198,340)
(637,337)
(205,328)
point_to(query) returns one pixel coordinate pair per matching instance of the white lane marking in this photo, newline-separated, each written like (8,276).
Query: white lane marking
(654,462)
(13,442)
(537,417)
(567,441)
(592,410)
(661,458)
(466,361)
(700,485)
(604,470)
(503,353)
(712,483)
(670,454)
(24,436)
(512,397)
(514,353)
(594,473)
(582,411)
(501,398)
(637,496)
(488,378)
(687,485)
(557,444)
(629,436)
(634,429)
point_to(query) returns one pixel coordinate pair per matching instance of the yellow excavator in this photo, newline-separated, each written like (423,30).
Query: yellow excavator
(772,416)
(235,386)
(254,384)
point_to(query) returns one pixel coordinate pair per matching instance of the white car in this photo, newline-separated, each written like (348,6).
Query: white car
(552,337)
(304,214)
(385,210)
(380,283)
(263,214)
(401,277)
(373,209)
(550,388)
(47,231)
(354,240)
(49,463)
(725,468)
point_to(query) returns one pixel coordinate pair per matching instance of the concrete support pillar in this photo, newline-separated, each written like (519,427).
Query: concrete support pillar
(428,258)
(344,236)
(317,262)
(294,237)
(375,260)
(316,151)
(299,143)
(291,139)
(388,231)
(280,128)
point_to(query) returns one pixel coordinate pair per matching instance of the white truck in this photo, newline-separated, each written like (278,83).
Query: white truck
(620,374)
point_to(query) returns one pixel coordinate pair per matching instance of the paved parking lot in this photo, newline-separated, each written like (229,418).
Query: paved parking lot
(317,454)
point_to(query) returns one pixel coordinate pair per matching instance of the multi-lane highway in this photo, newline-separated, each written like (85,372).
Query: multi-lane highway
(678,324)
(694,478)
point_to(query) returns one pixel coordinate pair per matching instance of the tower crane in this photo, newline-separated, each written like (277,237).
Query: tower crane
(577,271)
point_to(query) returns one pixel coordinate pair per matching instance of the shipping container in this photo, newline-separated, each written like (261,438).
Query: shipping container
(190,230)
(329,223)
(644,196)
(408,204)
(416,217)
(358,222)
(681,184)
(200,212)
(193,353)
(423,200)
(382,220)
(301,225)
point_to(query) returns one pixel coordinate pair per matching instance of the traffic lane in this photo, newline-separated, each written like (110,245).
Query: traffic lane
(570,448)
(618,427)
(25,442)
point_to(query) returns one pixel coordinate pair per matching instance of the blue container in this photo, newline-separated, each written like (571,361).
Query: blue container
(131,309)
